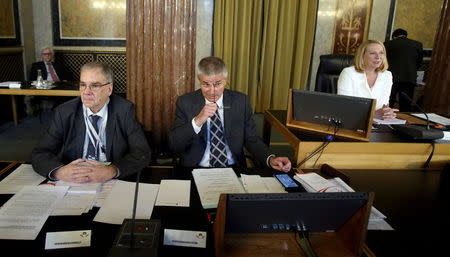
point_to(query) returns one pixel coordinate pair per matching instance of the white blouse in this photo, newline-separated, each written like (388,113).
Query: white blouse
(353,83)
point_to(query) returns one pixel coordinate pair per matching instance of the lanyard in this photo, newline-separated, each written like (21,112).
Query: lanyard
(92,134)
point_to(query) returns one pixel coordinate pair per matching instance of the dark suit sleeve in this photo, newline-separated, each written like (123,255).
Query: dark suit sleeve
(44,157)
(419,55)
(182,134)
(253,143)
(138,153)
(33,72)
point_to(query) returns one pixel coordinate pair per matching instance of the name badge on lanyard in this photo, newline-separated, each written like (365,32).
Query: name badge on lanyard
(96,138)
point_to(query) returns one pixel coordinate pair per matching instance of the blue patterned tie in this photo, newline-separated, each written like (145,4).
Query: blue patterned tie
(218,154)
(92,154)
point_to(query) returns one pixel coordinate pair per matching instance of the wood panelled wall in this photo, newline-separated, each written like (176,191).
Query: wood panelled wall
(437,89)
(160,60)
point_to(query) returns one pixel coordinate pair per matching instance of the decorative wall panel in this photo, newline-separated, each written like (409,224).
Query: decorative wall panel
(9,23)
(351,25)
(86,22)
(11,66)
(73,60)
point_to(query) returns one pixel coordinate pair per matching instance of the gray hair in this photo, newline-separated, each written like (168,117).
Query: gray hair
(104,68)
(211,66)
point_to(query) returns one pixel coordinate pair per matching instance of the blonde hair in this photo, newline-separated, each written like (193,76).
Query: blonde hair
(359,57)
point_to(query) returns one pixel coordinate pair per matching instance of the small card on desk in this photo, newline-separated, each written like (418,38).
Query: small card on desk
(68,239)
(185,238)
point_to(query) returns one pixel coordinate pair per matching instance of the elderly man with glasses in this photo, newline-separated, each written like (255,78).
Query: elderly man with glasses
(94,137)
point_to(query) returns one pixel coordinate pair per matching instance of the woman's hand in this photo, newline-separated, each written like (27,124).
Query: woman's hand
(386,113)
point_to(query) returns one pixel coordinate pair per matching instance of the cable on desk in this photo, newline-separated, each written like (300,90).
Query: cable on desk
(324,144)
(427,163)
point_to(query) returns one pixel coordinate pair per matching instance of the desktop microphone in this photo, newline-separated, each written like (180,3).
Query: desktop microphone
(137,237)
(418,132)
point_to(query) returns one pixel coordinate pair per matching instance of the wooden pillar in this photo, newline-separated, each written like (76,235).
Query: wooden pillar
(437,89)
(160,61)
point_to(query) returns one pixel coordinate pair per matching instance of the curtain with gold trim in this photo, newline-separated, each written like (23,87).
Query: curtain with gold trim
(267,46)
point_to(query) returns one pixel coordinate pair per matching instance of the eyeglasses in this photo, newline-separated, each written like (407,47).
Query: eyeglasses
(46,53)
(214,84)
(92,87)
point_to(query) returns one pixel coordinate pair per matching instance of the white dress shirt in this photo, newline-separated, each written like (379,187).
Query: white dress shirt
(205,160)
(353,83)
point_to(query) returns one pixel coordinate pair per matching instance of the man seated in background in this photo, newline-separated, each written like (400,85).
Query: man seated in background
(50,71)
(213,124)
(94,137)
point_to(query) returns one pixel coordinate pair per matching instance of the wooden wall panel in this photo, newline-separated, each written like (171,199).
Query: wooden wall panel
(437,89)
(160,60)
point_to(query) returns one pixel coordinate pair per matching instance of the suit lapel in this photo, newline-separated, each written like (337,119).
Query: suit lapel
(110,128)
(80,129)
(227,100)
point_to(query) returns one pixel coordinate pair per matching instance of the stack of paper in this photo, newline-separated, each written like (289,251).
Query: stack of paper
(313,182)
(23,216)
(79,199)
(24,175)
(174,192)
(10,84)
(213,182)
(390,122)
(258,184)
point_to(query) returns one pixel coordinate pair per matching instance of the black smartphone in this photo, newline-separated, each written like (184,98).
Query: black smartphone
(287,182)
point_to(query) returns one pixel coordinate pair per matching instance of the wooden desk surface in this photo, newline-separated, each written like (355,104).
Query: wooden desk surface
(385,150)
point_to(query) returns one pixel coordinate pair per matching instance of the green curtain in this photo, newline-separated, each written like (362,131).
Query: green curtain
(267,46)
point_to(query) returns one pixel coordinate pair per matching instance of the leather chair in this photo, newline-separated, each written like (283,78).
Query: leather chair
(330,67)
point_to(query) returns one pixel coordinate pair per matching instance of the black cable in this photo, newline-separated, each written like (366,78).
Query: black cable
(427,163)
(336,128)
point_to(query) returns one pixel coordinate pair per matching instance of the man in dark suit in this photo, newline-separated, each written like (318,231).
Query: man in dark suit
(404,57)
(92,138)
(213,124)
(48,66)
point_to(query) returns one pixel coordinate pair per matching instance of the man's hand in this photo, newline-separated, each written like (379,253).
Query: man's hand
(386,113)
(207,112)
(280,163)
(88,172)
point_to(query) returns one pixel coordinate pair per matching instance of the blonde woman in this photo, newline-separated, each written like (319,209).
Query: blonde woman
(369,78)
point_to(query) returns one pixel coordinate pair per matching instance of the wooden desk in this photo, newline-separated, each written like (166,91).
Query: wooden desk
(384,151)
(59,90)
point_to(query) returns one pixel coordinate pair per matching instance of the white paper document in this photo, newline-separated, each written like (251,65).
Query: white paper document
(313,182)
(68,239)
(390,122)
(74,204)
(23,216)
(89,188)
(185,238)
(433,118)
(24,175)
(174,192)
(119,203)
(213,182)
(103,192)
(10,84)
(258,184)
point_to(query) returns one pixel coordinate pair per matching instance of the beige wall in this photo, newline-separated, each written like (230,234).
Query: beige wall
(419,18)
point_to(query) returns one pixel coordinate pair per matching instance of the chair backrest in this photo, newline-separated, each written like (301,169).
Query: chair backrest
(330,67)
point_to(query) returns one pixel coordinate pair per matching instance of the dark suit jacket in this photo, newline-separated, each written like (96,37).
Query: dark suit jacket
(240,129)
(62,72)
(404,57)
(63,141)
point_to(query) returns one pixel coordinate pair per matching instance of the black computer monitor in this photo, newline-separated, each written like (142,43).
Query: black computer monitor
(274,213)
(323,112)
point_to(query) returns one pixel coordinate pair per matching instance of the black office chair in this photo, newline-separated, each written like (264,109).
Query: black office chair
(330,67)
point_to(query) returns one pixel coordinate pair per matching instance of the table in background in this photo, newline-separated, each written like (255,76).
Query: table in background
(385,150)
(60,89)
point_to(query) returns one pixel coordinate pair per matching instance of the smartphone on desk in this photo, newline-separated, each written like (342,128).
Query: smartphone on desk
(288,183)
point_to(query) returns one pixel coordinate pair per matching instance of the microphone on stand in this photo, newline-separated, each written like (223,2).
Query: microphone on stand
(418,132)
(136,237)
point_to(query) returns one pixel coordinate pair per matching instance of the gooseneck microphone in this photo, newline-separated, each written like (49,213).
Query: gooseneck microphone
(136,237)
(418,132)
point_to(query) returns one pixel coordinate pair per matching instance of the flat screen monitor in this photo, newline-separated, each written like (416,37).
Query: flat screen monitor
(327,113)
(275,213)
